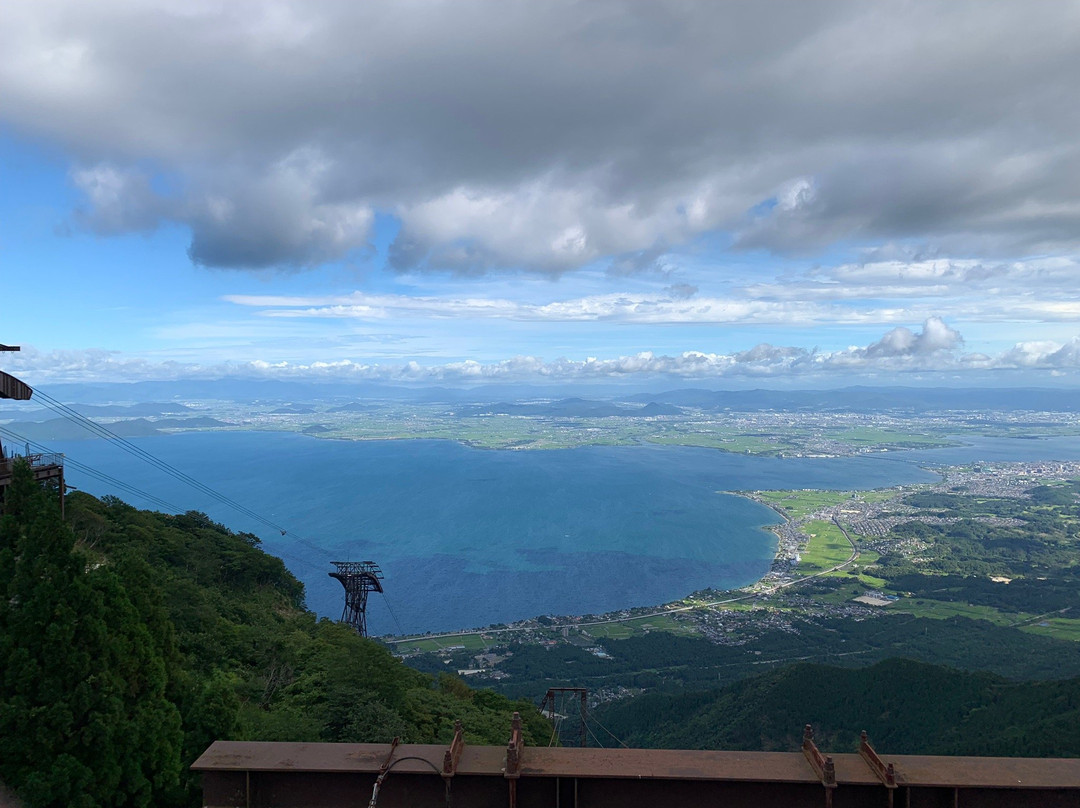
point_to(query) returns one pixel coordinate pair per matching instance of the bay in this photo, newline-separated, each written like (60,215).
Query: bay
(469,537)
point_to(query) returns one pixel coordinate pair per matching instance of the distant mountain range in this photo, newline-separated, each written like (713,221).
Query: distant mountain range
(573,407)
(355,406)
(63,429)
(293,397)
(146,409)
(873,399)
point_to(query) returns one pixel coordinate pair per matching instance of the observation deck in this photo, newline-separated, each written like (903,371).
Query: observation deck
(324,775)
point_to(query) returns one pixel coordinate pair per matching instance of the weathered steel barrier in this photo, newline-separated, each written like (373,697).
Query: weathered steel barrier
(296,775)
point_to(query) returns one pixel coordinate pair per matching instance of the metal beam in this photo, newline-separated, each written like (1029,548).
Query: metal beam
(10,387)
(824,766)
(453,754)
(549,702)
(283,775)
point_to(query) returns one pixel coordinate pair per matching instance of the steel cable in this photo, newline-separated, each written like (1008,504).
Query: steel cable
(104,432)
(126,487)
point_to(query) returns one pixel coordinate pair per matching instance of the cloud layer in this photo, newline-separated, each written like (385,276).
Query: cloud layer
(551,135)
(885,291)
(935,348)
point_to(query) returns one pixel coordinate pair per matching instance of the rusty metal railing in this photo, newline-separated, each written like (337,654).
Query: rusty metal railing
(38,461)
(286,775)
(35,460)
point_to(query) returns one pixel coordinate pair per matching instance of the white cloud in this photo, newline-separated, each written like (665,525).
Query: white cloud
(677,304)
(934,349)
(938,277)
(558,224)
(901,341)
(1030,290)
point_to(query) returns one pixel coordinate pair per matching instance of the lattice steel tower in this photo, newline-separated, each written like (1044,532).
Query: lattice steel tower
(358,578)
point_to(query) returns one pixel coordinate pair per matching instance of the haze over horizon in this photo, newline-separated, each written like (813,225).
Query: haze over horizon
(666,195)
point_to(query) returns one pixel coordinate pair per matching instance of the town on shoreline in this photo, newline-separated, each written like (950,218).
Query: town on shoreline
(823,535)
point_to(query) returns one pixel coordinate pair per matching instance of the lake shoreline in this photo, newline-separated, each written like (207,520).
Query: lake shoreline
(476,538)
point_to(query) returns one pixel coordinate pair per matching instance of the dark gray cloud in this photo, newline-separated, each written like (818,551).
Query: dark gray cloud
(643,262)
(681,291)
(767,354)
(548,135)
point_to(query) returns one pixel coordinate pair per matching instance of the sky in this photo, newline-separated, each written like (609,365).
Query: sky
(686,194)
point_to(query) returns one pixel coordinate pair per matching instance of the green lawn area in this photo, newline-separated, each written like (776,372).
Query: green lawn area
(472,642)
(866,559)
(852,589)
(740,444)
(796,504)
(639,625)
(940,610)
(827,548)
(869,436)
(872,582)
(740,606)
(1061,628)
(615,631)
(860,581)
(877,495)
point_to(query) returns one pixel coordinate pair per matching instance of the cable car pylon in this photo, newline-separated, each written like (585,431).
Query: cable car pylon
(359,578)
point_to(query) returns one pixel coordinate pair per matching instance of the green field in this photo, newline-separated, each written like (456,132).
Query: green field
(866,559)
(1061,628)
(827,548)
(640,625)
(739,444)
(743,605)
(480,641)
(871,436)
(877,495)
(940,610)
(471,642)
(797,504)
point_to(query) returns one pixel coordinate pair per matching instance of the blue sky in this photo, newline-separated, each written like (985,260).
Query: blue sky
(458,193)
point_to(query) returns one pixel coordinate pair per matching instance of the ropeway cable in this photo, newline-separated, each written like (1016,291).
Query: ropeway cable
(397,622)
(120,484)
(593,735)
(609,732)
(104,432)
(95,473)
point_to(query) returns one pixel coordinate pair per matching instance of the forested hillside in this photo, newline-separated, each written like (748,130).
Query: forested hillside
(133,639)
(906,707)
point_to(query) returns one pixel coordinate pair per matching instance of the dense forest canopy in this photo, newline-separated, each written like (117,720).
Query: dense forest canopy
(907,707)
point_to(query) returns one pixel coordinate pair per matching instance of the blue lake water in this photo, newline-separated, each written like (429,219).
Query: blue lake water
(468,537)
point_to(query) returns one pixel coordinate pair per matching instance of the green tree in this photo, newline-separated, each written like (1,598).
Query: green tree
(84,717)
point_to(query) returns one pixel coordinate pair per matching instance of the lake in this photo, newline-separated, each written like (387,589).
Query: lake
(469,537)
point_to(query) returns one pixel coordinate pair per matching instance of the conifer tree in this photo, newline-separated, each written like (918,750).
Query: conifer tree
(84,718)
